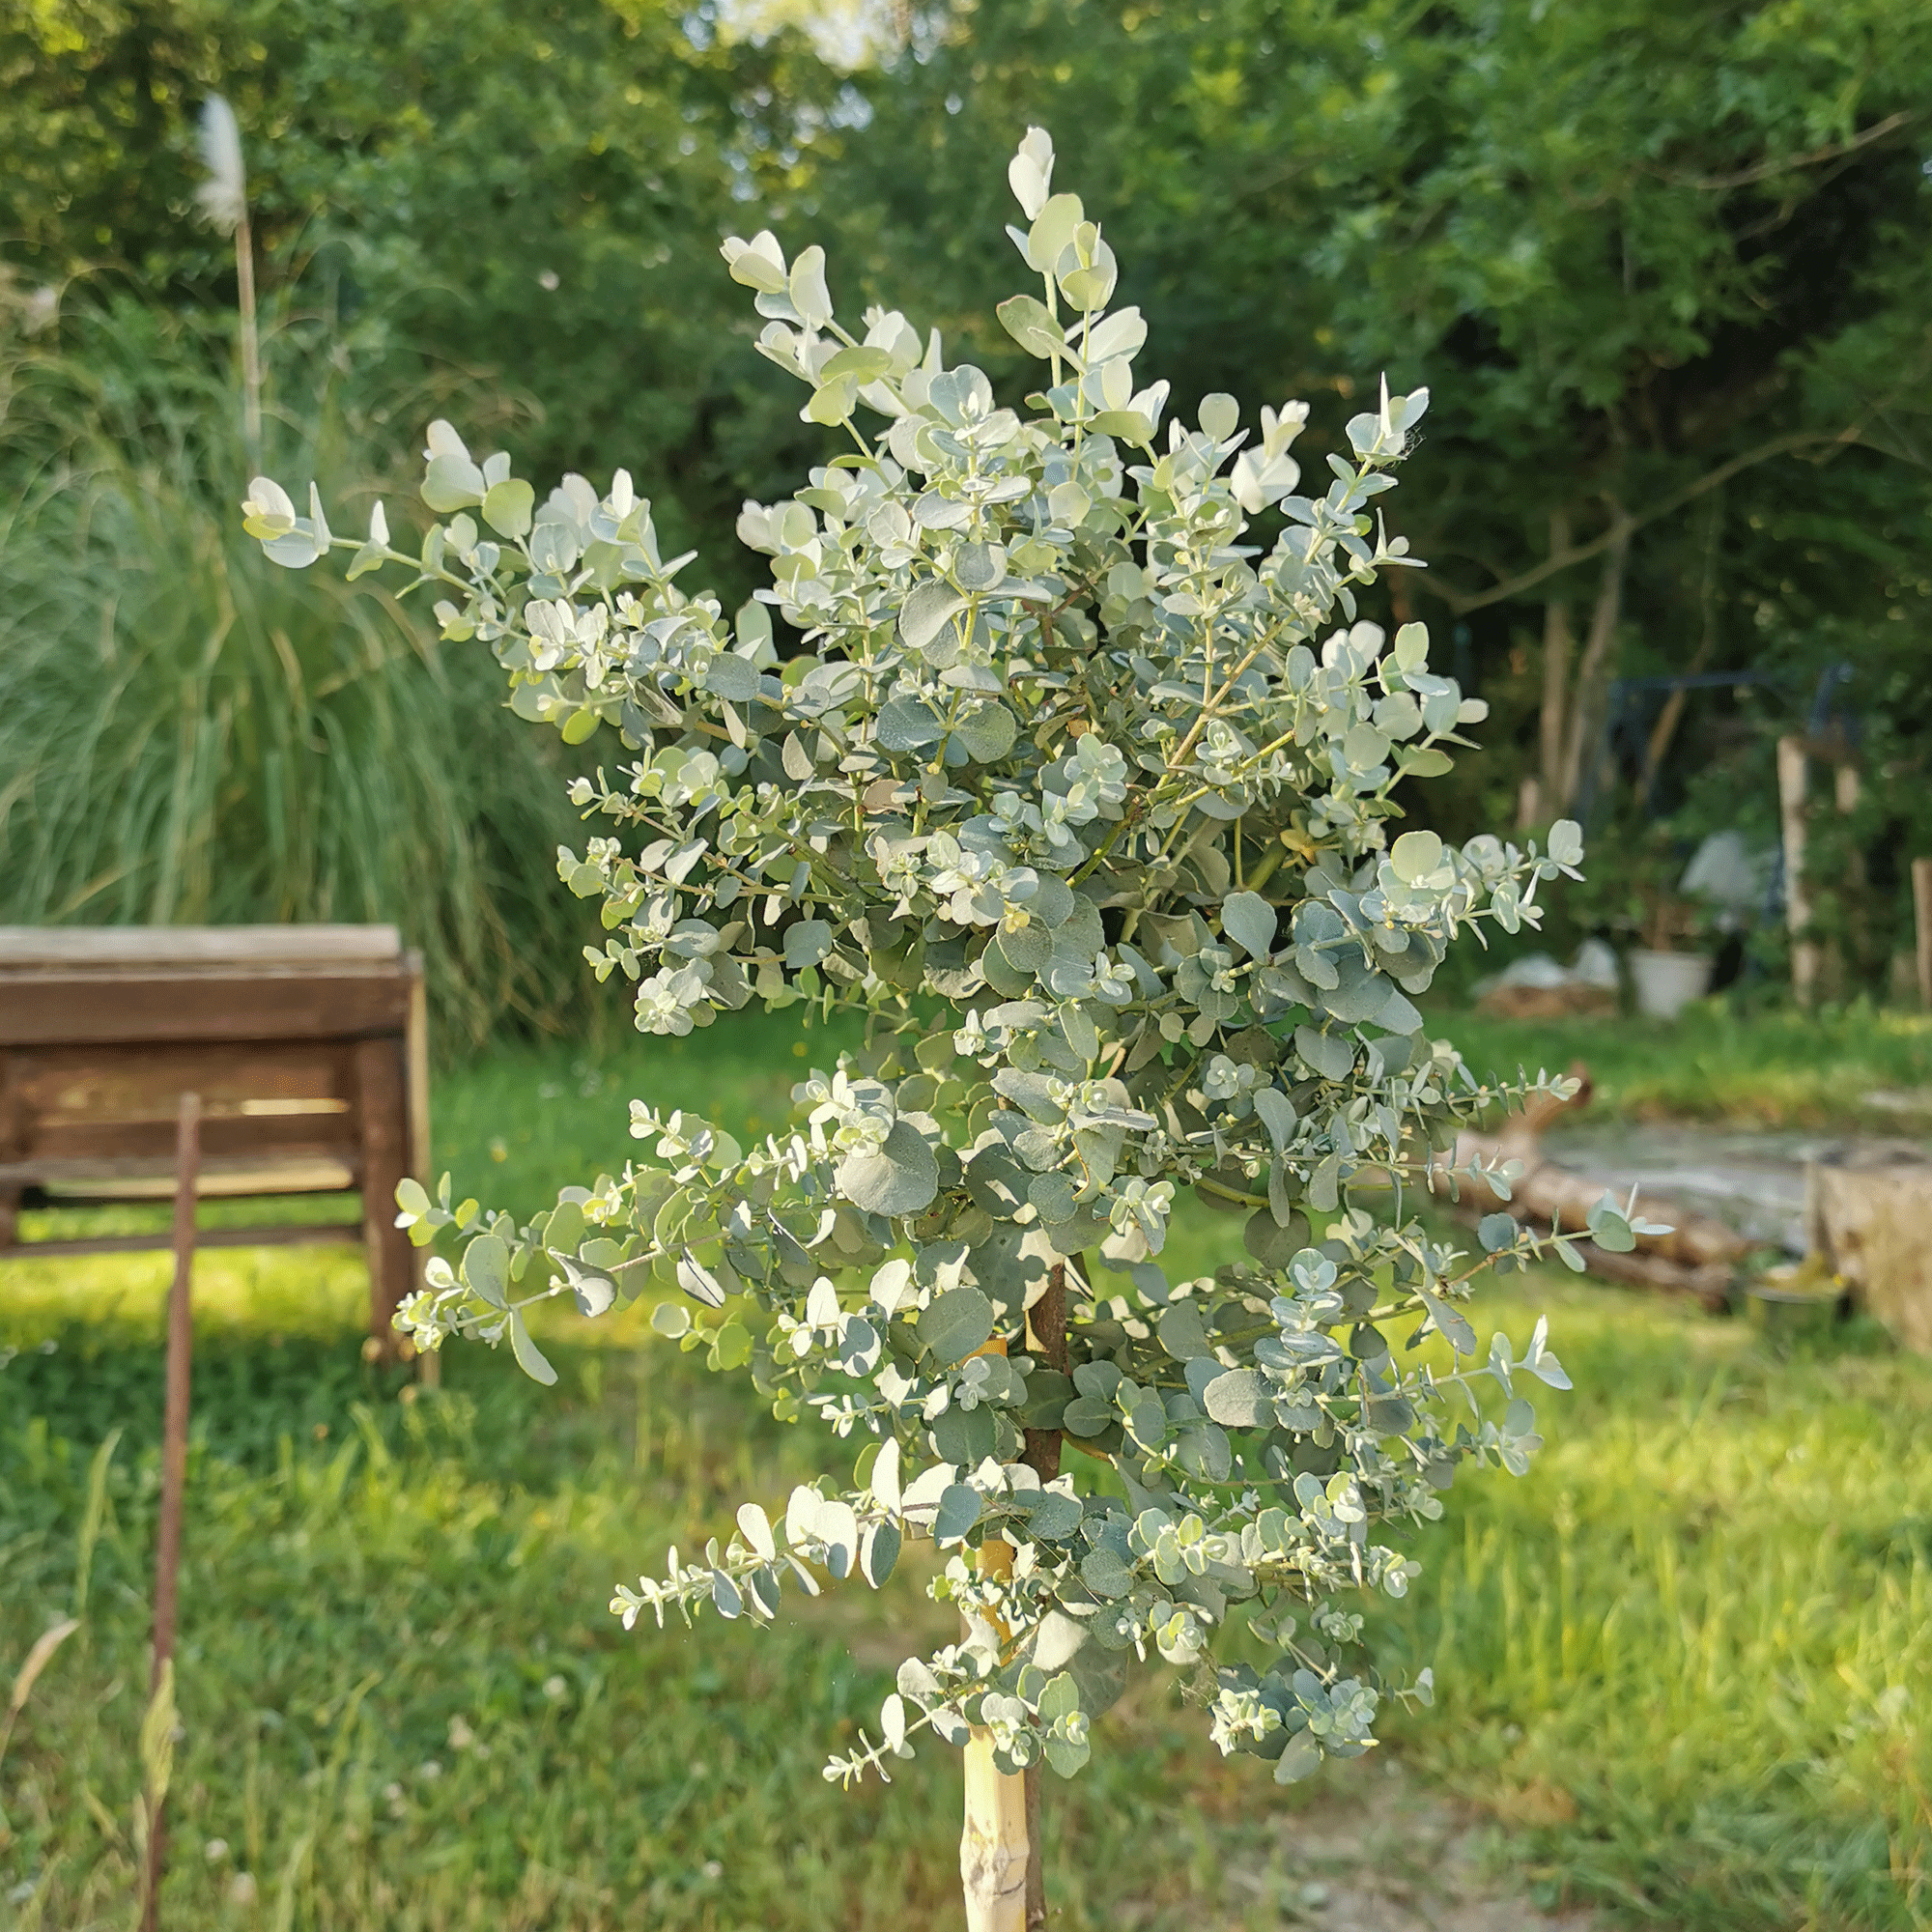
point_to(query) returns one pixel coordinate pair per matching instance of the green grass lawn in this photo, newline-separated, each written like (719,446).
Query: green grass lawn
(1684,1667)
(1846,1068)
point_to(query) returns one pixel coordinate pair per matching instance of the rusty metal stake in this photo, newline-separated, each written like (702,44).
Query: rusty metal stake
(174,1463)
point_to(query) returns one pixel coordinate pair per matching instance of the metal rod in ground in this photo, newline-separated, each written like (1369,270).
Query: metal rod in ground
(173,1466)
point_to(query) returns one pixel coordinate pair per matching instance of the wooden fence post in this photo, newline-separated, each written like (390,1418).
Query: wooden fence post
(1791,786)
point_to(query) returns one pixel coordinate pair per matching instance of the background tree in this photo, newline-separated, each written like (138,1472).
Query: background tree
(525,186)
(1660,260)
(1665,264)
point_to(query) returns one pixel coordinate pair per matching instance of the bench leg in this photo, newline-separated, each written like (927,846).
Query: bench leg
(12,1137)
(381,1104)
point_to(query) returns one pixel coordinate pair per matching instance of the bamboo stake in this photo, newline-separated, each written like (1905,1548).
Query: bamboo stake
(995,1851)
(173,1475)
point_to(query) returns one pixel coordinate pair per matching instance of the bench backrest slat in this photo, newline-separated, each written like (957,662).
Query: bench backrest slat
(44,1009)
(111,948)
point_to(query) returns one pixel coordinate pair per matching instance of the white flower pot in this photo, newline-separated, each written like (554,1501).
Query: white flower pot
(1666,982)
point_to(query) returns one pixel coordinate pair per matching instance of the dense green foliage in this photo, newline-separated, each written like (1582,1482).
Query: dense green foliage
(1663,263)
(1668,1657)
(1662,266)
(534,188)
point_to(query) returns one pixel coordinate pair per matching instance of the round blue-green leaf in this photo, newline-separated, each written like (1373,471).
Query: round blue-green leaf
(955,1325)
(529,1357)
(1496,1231)
(1415,855)
(1106,1575)
(1249,921)
(731,676)
(929,606)
(1051,1515)
(901,1178)
(452,483)
(908,724)
(806,942)
(958,1511)
(879,1552)
(1086,1415)
(486,1268)
(1301,1758)
(507,507)
(1241,1398)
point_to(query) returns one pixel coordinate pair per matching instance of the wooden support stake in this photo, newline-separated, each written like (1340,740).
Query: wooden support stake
(994,1852)
(993,1847)
(1791,788)
(1922,906)
(415,1059)
(174,1466)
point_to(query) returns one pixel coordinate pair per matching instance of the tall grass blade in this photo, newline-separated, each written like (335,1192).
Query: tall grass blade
(93,1516)
(192,736)
(38,1659)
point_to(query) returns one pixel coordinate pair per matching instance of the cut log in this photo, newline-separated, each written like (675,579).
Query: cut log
(1695,1257)
(1868,1212)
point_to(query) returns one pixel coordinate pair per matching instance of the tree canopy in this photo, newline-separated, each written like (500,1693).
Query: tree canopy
(1665,265)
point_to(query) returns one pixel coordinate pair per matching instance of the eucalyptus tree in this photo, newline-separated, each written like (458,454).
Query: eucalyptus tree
(1086,803)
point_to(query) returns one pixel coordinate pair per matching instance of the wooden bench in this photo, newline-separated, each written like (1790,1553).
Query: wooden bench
(305,1043)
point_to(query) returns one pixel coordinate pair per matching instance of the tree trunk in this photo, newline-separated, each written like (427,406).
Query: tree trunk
(1921,912)
(1557,647)
(1672,714)
(1000,1868)
(1590,672)
(1858,968)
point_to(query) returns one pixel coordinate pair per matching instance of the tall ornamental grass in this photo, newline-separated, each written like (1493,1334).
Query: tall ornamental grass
(192,736)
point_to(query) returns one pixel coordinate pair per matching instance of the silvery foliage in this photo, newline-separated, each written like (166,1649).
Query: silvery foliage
(1085,804)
